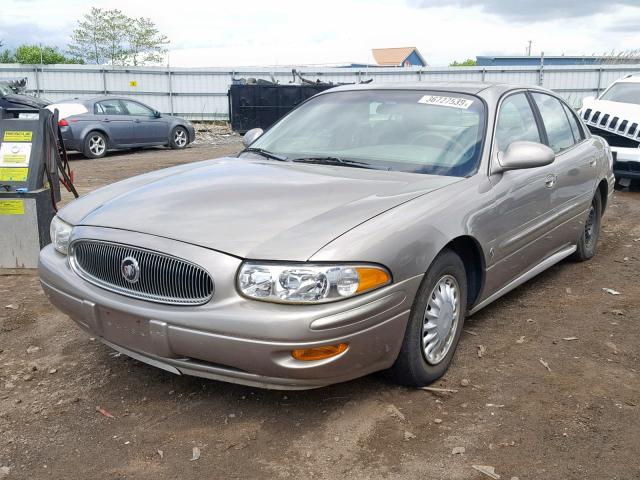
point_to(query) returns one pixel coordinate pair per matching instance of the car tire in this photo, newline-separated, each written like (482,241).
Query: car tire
(588,241)
(415,365)
(95,145)
(179,138)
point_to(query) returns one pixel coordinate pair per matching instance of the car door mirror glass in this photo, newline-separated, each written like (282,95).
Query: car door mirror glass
(522,154)
(251,136)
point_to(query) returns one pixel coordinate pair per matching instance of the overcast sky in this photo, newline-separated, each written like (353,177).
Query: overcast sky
(294,32)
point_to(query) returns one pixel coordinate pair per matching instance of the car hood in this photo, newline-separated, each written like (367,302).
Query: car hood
(251,208)
(25,100)
(626,111)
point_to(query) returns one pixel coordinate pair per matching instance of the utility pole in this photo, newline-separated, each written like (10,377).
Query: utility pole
(529,49)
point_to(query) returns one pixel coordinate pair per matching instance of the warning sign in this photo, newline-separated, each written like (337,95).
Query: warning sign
(12,174)
(11,207)
(14,154)
(17,136)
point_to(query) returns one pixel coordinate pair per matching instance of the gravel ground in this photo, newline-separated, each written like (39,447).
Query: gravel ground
(217,133)
(554,395)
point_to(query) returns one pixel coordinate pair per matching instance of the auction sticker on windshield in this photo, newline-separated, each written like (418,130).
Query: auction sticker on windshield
(455,102)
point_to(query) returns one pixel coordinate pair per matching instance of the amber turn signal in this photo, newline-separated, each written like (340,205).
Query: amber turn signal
(371,278)
(318,353)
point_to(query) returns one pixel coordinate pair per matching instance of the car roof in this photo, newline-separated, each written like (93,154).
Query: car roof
(97,98)
(472,88)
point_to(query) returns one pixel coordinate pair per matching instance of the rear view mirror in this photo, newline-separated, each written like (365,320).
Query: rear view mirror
(251,136)
(520,155)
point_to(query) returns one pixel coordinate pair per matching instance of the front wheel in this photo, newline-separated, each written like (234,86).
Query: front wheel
(435,323)
(588,241)
(179,138)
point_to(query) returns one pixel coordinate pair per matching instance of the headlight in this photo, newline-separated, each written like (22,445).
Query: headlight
(60,232)
(300,283)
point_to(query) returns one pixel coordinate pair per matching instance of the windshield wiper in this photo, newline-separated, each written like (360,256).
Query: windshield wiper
(333,161)
(265,153)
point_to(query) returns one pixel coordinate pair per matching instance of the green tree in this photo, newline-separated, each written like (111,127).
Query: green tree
(110,36)
(145,42)
(5,55)
(34,54)
(469,62)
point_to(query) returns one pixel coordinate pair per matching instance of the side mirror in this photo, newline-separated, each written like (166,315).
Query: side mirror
(157,114)
(251,136)
(520,155)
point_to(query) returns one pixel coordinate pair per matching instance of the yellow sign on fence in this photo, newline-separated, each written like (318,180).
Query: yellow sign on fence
(17,136)
(11,207)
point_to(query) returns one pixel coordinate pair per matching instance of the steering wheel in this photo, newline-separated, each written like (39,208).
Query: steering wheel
(447,143)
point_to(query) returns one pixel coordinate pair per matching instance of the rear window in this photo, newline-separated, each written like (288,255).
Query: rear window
(68,109)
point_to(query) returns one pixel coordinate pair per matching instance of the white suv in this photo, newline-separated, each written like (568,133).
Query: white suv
(615,115)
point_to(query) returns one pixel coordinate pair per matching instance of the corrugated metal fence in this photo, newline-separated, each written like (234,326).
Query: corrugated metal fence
(202,93)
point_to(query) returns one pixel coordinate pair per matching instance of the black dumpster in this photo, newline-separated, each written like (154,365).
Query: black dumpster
(261,105)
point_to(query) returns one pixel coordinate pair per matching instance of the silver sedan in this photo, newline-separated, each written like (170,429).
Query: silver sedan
(355,235)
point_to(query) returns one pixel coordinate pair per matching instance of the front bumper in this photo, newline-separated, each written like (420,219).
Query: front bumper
(626,162)
(192,133)
(232,338)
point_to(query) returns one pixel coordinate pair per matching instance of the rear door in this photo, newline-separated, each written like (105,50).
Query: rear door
(148,129)
(116,122)
(519,221)
(575,165)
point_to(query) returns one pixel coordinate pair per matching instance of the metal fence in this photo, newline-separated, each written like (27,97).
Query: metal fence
(202,93)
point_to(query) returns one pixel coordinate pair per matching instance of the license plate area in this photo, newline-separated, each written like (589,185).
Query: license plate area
(124,329)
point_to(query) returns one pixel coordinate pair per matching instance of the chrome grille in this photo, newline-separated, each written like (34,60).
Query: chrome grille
(162,278)
(622,127)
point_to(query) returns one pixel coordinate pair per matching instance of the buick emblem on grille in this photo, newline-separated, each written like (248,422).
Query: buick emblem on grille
(130,269)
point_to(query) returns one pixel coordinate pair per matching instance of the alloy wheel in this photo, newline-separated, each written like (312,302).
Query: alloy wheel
(180,137)
(97,145)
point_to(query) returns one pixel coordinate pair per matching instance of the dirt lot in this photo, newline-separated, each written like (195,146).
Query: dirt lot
(577,419)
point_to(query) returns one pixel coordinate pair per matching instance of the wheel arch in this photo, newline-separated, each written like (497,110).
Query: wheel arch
(472,256)
(98,129)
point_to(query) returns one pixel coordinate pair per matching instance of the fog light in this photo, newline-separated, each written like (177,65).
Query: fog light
(318,353)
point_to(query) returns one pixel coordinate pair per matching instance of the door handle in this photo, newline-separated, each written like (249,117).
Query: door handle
(550,181)
(106,120)
(592,162)
(137,120)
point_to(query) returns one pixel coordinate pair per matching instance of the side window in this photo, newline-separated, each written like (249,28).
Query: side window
(578,133)
(109,107)
(516,122)
(555,121)
(137,109)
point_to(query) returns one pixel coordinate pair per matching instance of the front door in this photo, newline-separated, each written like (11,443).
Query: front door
(522,199)
(148,128)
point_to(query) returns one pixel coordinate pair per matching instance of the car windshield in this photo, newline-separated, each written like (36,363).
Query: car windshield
(415,131)
(5,90)
(623,92)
